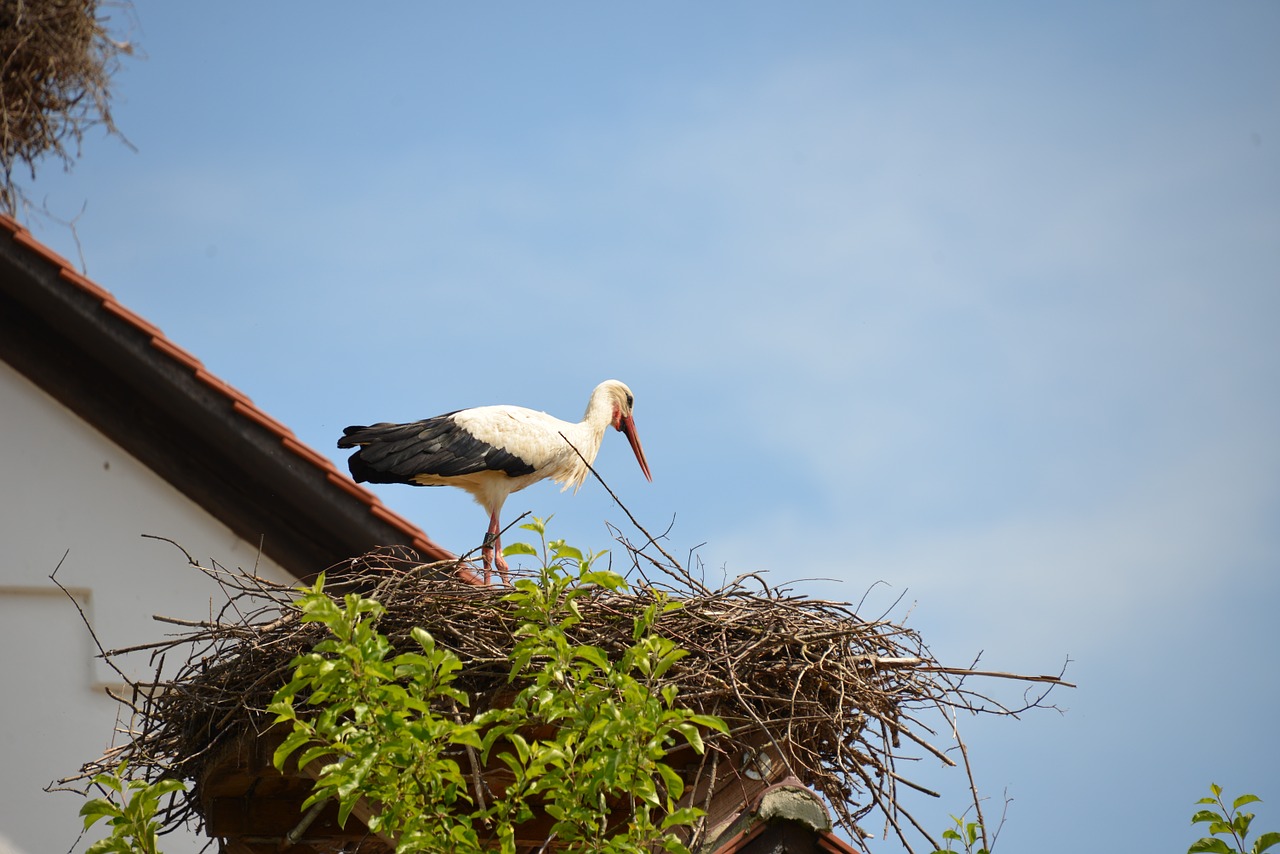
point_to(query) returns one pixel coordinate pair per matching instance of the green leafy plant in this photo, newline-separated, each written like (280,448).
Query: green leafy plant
(369,722)
(967,833)
(134,827)
(1231,823)
(613,719)
(585,738)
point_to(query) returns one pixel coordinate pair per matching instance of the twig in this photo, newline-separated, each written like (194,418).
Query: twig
(674,564)
(85,619)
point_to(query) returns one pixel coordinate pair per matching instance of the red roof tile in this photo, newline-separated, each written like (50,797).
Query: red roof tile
(355,489)
(84,284)
(223,388)
(173,351)
(123,313)
(316,458)
(387,516)
(21,235)
(256,415)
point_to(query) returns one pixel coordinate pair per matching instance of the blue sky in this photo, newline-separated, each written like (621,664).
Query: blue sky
(977,300)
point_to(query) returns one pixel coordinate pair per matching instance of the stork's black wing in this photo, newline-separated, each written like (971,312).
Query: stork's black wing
(440,446)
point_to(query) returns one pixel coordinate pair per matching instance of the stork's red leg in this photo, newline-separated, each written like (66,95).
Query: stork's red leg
(486,550)
(501,563)
(491,552)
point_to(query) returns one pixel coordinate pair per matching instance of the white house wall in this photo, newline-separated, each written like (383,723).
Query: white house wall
(67,490)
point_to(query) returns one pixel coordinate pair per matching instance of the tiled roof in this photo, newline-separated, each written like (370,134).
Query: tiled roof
(243,407)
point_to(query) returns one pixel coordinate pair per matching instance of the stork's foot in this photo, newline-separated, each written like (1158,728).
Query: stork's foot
(493,559)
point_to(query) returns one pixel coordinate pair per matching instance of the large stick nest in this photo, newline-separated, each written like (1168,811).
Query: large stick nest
(56,62)
(840,697)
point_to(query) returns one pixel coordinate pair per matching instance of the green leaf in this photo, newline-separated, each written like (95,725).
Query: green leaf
(672,780)
(292,742)
(313,753)
(466,736)
(562,551)
(1265,841)
(538,526)
(113,781)
(164,787)
(691,735)
(97,809)
(593,655)
(710,722)
(971,830)
(665,662)
(1245,799)
(1209,845)
(519,548)
(1207,815)
(345,805)
(681,817)
(521,746)
(424,638)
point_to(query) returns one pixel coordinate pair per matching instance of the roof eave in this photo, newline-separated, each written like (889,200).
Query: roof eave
(119,373)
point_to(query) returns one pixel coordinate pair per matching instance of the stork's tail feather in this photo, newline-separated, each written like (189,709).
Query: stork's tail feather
(359,436)
(392,453)
(349,435)
(362,472)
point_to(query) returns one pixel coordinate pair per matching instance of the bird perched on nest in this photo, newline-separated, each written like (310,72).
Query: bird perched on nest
(493,451)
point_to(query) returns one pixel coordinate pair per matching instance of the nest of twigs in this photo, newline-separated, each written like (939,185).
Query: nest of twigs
(842,698)
(56,63)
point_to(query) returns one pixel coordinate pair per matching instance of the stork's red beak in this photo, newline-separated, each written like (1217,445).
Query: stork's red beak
(627,425)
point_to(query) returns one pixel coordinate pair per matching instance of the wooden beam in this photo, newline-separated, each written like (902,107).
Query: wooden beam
(254,815)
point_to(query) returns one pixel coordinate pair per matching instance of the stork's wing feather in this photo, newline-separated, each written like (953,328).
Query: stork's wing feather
(436,447)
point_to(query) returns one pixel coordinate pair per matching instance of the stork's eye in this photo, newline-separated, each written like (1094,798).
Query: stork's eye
(631,401)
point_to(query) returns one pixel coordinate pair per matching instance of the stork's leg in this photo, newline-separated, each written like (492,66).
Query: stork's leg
(486,550)
(491,551)
(500,562)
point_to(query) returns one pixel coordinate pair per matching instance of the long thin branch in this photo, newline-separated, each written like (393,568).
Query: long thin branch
(684,574)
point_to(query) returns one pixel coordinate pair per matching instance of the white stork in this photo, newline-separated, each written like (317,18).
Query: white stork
(492,451)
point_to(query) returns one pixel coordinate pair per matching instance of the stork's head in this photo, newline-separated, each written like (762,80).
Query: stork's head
(622,402)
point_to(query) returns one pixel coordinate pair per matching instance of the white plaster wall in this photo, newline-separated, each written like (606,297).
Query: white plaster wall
(66,489)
